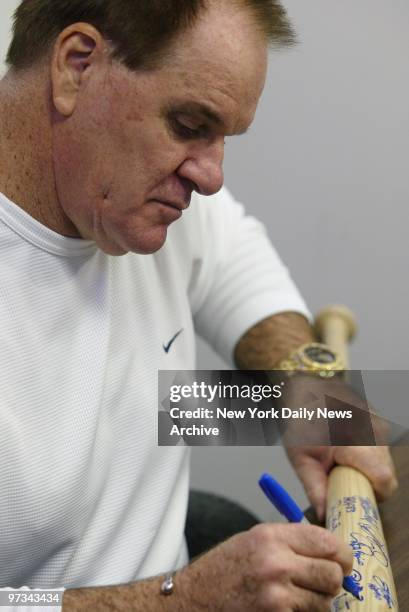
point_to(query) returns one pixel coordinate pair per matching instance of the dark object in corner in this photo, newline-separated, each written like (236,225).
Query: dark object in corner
(211,519)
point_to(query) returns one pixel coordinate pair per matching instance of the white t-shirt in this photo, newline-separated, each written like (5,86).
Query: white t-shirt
(86,496)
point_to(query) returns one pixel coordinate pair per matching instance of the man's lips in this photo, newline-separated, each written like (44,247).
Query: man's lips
(173,203)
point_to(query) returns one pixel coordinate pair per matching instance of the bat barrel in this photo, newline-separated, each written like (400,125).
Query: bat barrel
(352,511)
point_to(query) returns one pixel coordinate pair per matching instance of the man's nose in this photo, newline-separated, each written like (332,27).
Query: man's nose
(205,168)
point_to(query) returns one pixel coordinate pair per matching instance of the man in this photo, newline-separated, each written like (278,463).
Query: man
(112,115)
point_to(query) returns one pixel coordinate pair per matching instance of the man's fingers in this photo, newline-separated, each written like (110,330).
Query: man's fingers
(373,461)
(302,600)
(318,575)
(386,478)
(309,601)
(317,542)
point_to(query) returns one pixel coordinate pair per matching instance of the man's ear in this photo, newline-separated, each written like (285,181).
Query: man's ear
(75,50)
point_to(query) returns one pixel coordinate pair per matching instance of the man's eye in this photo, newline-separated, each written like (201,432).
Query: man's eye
(186,131)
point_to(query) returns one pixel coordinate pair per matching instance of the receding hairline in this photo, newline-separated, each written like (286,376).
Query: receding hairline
(269,17)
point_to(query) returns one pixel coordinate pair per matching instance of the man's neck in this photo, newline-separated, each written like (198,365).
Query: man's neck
(26,164)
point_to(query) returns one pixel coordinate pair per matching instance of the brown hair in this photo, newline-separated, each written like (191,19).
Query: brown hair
(139,30)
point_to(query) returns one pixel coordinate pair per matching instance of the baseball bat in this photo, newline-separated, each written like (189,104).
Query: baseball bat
(352,511)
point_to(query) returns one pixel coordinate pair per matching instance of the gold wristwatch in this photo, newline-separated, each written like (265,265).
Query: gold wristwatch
(313,358)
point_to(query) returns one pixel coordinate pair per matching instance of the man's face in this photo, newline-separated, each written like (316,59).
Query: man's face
(139,143)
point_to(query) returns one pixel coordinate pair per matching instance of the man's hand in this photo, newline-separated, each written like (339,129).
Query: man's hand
(313,464)
(271,567)
(274,567)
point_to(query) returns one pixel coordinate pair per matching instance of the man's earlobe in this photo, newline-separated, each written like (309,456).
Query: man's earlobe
(75,50)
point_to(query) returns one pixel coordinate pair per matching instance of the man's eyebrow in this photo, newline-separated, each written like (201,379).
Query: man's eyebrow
(196,108)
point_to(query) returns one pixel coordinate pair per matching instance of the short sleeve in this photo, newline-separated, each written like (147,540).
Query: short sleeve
(240,279)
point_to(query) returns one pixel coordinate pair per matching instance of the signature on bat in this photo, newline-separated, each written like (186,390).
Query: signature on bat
(350,504)
(381,590)
(366,543)
(370,512)
(342,602)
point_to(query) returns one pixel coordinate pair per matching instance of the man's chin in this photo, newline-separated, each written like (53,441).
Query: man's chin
(147,243)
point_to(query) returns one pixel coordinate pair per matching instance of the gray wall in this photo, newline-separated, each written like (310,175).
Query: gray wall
(6,9)
(325,166)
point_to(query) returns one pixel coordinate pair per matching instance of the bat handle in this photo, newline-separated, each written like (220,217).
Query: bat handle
(336,326)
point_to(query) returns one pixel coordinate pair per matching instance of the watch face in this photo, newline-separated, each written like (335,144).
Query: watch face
(319,354)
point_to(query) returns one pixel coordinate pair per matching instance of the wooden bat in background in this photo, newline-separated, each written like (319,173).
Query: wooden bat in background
(352,512)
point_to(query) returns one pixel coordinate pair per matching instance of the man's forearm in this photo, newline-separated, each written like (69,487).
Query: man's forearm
(271,340)
(141,596)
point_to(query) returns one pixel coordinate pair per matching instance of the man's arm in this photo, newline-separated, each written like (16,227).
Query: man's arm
(143,596)
(236,570)
(139,596)
(262,348)
(271,340)
(271,567)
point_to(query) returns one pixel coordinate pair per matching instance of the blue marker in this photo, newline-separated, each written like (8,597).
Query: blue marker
(288,508)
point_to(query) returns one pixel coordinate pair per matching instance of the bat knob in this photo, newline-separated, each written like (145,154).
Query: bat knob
(340,314)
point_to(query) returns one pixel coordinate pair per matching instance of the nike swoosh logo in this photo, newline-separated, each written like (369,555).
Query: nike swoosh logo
(167,347)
